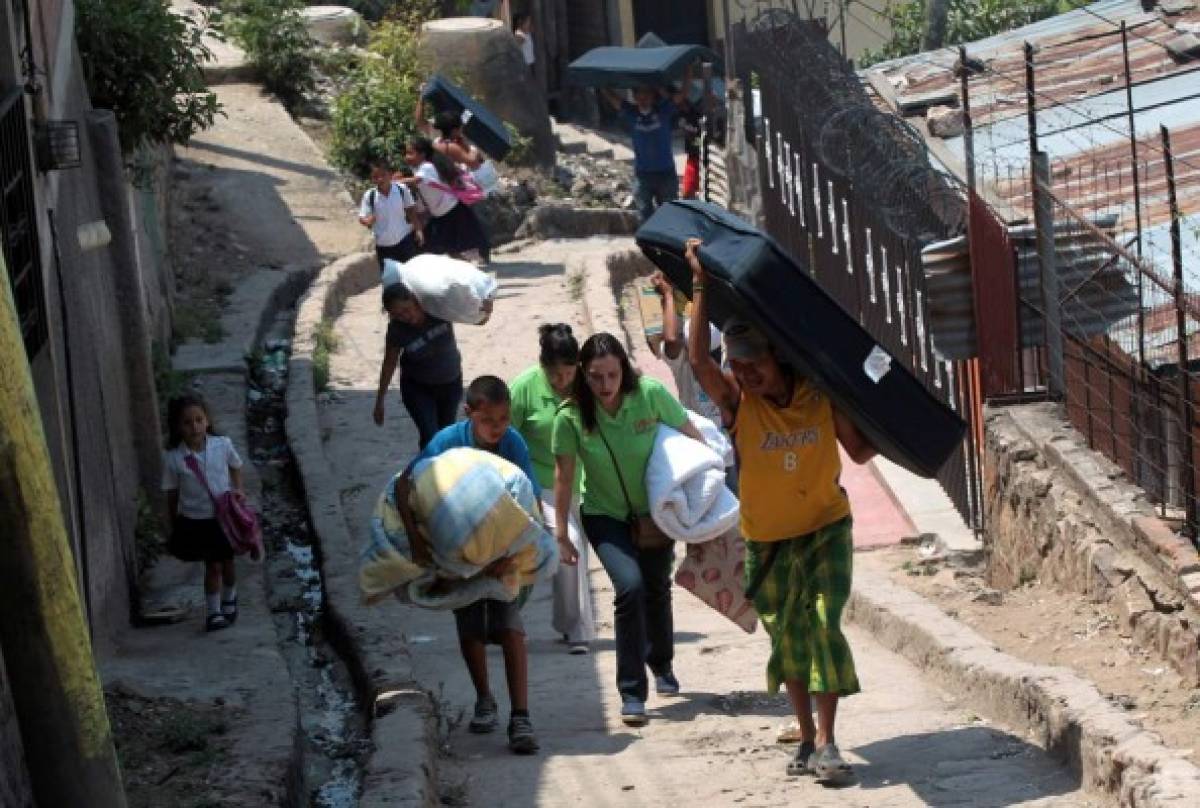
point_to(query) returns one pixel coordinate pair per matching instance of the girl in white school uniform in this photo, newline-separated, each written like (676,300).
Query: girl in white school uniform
(199,461)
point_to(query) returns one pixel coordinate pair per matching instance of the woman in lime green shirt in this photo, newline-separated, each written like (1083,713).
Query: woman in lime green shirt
(536,396)
(612,419)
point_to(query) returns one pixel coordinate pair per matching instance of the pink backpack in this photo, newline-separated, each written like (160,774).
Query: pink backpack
(468,192)
(237,519)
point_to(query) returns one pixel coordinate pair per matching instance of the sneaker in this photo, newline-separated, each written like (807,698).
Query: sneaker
(829,767)
(485,719)
(666,684)
(216,622)
(521,739)
(577,648)
(633,713)
(801,762)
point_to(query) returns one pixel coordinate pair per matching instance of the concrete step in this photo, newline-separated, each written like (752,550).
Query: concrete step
(570,146)
(573,139)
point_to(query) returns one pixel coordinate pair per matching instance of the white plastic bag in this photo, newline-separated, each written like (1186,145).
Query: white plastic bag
(486,176)
(446,288)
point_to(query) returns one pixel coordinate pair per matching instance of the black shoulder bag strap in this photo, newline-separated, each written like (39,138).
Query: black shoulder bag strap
(620,478)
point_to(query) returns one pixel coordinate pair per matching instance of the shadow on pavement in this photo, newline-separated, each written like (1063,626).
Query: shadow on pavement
(262,159)
(978,766)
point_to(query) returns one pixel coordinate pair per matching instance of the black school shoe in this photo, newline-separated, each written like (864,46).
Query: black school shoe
(229,610)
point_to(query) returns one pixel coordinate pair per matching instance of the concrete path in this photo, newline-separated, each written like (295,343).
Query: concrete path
(276,213)
(270,209)
(912,743)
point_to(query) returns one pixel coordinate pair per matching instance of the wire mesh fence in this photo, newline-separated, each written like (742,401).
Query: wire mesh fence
(1130,344)
(852,193)
(1108,288)
(1075,278)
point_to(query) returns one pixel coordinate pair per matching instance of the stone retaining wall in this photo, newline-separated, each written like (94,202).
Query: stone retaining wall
(1059,512)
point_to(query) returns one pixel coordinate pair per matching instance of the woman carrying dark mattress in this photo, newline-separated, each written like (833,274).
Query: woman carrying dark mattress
(795,518)
(447,136)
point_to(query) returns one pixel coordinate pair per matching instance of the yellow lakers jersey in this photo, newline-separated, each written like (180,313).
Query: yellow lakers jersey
(788,465)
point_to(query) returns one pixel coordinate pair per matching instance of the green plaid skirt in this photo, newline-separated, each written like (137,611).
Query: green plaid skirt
(800,602)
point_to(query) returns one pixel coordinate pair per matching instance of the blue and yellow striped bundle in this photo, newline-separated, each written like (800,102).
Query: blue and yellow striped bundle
(475,508)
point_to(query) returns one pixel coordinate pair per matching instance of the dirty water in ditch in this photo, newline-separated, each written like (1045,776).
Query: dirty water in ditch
(335,737)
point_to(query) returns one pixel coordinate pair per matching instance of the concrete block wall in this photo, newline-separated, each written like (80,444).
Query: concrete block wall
(14,780)
(94,378)
(1060,513)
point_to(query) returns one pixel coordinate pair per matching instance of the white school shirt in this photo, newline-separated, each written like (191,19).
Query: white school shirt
(436,201)
(391,226)
(216,459)
(690,394)
(527,48)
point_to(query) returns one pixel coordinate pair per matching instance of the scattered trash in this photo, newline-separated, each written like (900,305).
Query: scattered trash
(1123,701)
(991,597)
(336,739)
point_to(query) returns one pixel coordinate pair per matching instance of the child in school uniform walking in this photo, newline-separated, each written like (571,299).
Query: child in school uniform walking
(389,210)
(199,461)
(488,426)
(453,228)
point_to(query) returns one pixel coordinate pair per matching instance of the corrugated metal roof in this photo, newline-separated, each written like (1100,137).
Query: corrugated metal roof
(1083,126)
(1095,293)
(1081,98)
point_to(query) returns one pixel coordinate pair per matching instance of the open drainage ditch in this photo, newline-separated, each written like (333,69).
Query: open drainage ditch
(335,739)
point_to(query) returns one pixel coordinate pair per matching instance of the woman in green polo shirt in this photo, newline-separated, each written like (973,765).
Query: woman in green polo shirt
(536,396)
(611,419)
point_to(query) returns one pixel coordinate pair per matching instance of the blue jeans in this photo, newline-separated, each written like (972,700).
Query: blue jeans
(431,406)
(654,188)
(642,582)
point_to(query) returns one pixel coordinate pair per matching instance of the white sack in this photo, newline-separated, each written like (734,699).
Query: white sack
(447,288)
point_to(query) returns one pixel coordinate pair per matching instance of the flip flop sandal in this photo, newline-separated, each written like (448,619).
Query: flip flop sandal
(229,611)
(829,767)
(801,762)
(790,733)
(216,622)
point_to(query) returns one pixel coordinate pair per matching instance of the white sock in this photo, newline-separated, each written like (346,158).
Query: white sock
(214,602)
(228,593)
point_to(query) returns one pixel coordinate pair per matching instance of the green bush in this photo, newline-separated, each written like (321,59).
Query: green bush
(372,115)
(966,21)
(273,35)
(145,63)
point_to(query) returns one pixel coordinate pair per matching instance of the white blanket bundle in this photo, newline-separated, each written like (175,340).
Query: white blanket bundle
(685,481)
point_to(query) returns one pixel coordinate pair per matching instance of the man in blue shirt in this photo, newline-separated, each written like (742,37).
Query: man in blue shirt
(488,427)
(651,119)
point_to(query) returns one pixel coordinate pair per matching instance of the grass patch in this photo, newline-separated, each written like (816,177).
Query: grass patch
(186,732)
(199,320)
(575,287)
(325,344)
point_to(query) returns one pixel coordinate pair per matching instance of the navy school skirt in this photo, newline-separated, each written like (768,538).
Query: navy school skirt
(199,540)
